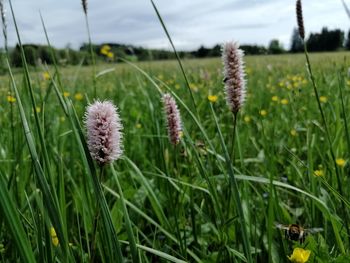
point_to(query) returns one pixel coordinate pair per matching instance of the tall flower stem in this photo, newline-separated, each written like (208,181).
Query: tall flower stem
(235,116)
(84,2)
(236,195)
(300,21)
(95,223)
(346,218)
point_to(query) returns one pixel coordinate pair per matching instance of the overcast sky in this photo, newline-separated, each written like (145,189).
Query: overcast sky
(191,23)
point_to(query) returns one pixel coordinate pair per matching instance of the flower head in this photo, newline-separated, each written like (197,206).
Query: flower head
(300,19)
(46,75)
(293,132)
(275,98)
(284,101)
(104,135)
(318,173)
(340,162)
(78,96)
(212,98)
(300,255)
(323,99)
(263,113)
(232,57)
(54,237)
(11,99)
(84,4)
(105,50)
(173,119)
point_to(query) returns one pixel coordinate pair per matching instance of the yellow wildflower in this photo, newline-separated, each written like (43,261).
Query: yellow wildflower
(66,94)
(300,255)
(78,96)
(105,50)
(263,113)
(110,55)
(284,101)
(340,162)
(38,109)
(212,98)
(247,119)
(193,87)
(275,98)
(11,99)
(46,75)
(54,237)
(181,134)
(138,126)
(293,132)
(323,99)
(318,173)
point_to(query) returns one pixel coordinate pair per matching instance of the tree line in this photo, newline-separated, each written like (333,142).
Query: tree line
(326,40)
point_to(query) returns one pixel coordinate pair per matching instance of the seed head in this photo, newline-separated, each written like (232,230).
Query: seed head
(300,19)
(84,3)
(172,115)
(4,23)
(104,137)
(232,57)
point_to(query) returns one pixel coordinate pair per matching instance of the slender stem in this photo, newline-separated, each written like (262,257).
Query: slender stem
(177,56)
(95,224)
(128,224)
(235,116)
(92,54)
(328,137)
(236,195)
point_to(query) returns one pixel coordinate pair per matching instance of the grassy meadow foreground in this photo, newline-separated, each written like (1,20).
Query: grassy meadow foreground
(179,199)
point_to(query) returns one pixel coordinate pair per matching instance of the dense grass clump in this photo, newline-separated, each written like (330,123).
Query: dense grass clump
(178,197)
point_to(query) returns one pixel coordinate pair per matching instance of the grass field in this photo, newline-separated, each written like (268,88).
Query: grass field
(179,203)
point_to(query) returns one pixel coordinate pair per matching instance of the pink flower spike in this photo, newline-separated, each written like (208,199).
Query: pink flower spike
(234,77)
(104,137)
(172,115)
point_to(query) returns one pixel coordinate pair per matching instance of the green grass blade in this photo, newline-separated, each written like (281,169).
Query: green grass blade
(10,215)
(177,56)
(236,196)
(49,201)
(152,222)
(132,242)
(152,196)
(109,233)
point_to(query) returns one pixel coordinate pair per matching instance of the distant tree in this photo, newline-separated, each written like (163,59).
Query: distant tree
(202,52)
(16,59)
(347,43)
(296,42)
(215,51)
(45,55)
(275,47)
(253,49)
(327,40)
(30,54)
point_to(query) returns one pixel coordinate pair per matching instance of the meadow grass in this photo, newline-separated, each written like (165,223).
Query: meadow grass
(179,201)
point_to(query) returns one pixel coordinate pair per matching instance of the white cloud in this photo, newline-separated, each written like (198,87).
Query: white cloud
(190,23)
